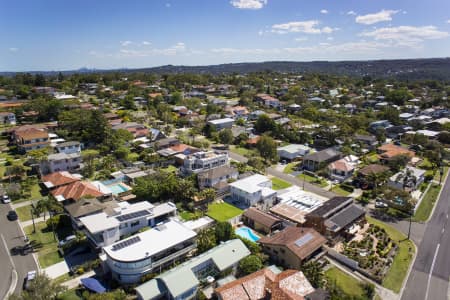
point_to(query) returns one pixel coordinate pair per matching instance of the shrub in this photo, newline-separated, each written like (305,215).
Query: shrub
(347,187)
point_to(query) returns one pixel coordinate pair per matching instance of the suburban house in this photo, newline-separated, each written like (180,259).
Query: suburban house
(365,173)
(388,151)
(69,147)
(7,118)
(367,141)
(294,203)
(148,252)
(261,221)
(31,139)
(267,100)
(61,162)
(87,206)
(335,217)
(255,190)
(165,143)
(268,283)
(109,226)
(318,160)
(203,161)
(409,178)
(138,130)
(217,178)
(75,191)
(57,179)
(220,124)
(343,168)
(292,151)
(293,246)
(381,124)
(183,281)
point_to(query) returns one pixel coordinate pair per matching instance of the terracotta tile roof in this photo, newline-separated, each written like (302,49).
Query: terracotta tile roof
(180,147)
(60,178)
(77,190)
(31,133)
(291,238)
(341,165)
(261,217)
(391,150)
(374,168)
(254,140)
(265,284)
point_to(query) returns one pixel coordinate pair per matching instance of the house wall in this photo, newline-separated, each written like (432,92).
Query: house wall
(283,256)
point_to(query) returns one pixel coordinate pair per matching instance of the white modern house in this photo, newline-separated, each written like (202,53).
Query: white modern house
(69,147)
(409,178)
(292,151)
(220,124)
(255,190)
(107,227)
(149,251)
(203,161)
(183,281)
(61,162)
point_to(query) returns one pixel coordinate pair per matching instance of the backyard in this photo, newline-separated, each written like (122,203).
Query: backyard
(426,205)
(399,268)
(279,184)
(222,212)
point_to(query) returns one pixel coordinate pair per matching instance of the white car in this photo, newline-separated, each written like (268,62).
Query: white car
(67,240)
(5,199)
(380,204)
(31,275)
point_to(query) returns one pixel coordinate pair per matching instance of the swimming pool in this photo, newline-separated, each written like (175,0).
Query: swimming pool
(118,188)
(247,233)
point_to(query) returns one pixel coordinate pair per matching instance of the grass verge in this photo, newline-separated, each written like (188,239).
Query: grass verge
(278,184)
(24,213)
(223,211)
(289,168)
(426,206)
(399,268)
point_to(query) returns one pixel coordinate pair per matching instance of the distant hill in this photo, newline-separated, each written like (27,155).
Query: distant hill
(402,69)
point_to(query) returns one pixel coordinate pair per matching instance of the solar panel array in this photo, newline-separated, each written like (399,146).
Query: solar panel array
(304,239)
(126,243)
(133,215)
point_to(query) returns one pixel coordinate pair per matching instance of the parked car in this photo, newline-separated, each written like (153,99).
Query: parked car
(12,215)
(67,240)
(5,199)
(380,204)
(31,275)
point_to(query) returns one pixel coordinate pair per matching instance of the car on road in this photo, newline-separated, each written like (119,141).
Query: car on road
(12,215)
(67,240)
(5,199)
(31,275)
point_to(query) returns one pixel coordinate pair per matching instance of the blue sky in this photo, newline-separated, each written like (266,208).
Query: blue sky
(61,35)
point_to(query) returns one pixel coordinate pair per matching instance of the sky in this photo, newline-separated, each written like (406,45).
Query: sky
(106,34)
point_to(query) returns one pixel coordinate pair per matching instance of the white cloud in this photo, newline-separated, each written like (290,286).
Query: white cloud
(248,4)
(125,43)
(310,27)
(13,49)
(381,16)
(351,13)
(146,43)
(324,11)
(406,35)
(448,21)
(330,38)
(301,39)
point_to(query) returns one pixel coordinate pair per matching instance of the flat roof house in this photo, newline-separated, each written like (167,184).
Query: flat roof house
(69,147)
(220,124)
(292,151)
(148,251)
(217,178)
(335,217)
(183,281)
(61,162)
(293,246)
(255,190)
(409,178)
(107,227)
(317,160)
(203,161)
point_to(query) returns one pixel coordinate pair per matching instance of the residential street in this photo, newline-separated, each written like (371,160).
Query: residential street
(429,278)
(13,236)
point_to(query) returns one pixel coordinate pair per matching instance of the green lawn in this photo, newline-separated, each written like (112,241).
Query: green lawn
(187,215)
(311,179)
(171,169)
(437,175)
(24,213)
(69,295)
(278,184)
(399,268)
(243,151)
(349,285)
(223,211)
(290,167)
(48,254)
(426,206)
(340,191)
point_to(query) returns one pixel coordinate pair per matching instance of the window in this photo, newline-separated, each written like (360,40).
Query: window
(136,223)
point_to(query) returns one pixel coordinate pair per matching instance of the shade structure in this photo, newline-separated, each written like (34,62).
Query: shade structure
(93,285)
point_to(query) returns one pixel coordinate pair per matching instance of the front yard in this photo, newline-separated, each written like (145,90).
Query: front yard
(222,212)
(243,151)
(279,184)
(403,258)
(311,179)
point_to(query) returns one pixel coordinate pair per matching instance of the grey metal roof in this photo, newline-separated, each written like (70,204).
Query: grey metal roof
(345,217)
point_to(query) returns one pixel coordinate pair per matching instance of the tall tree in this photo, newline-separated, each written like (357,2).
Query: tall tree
(267,148)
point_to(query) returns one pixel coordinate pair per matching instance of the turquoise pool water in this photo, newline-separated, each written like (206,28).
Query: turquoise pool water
(117,189)
(247,233)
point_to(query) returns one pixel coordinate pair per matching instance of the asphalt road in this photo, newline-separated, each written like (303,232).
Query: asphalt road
(13,236)
(429,278)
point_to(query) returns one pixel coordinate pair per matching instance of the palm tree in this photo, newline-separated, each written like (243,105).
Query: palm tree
(36,211)
(313,271)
